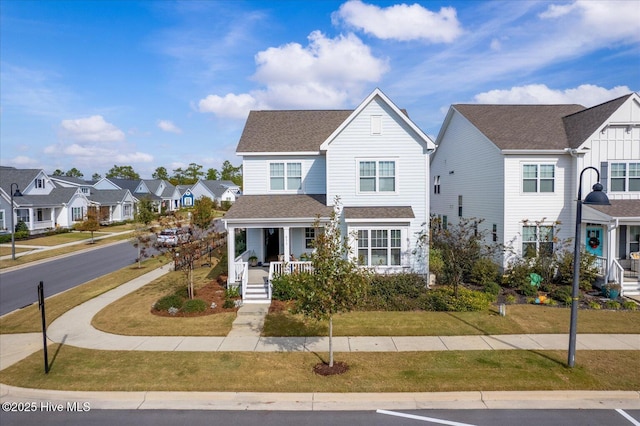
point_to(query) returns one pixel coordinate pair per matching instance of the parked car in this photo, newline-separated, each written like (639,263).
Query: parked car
(173,237)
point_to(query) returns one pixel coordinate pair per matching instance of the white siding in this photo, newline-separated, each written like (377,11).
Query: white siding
(539,206)
(396,142)
(255,170)
(469,165)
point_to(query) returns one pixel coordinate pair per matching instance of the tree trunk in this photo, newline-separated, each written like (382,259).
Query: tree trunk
(330,341)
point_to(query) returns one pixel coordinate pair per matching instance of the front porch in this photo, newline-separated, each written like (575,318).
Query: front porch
(254,282)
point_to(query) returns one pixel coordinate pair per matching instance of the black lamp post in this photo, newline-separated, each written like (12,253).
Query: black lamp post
(598,198)
(13,225)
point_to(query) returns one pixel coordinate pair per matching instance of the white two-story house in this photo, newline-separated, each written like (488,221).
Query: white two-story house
(518,167)
(374,159)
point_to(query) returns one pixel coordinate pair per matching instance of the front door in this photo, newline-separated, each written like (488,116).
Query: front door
(593,240)
(272,244)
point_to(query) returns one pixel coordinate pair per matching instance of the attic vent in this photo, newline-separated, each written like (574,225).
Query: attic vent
(376,124)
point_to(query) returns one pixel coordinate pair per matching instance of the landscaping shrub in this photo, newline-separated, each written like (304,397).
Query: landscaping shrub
(630,305)
(594,305)
(484,271)
(492,288)
(228,303)
(394,292)
(588,270)
(517,274)
(436,263)
(172,300)
(194,305)
(562,294)
(443,299)
(283,288)
(612,304)
(232,292)
(183,292)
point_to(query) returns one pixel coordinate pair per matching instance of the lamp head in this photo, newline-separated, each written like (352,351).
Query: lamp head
(597,197)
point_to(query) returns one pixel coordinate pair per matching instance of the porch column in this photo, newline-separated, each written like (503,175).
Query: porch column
(611,248)
(287,248)
(231,255)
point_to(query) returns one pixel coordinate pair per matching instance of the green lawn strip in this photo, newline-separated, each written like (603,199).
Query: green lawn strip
(46,254)
(28,320)
(79,369)
(131,315)
(527,319)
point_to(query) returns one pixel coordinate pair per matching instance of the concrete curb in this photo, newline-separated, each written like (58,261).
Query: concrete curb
(150,400)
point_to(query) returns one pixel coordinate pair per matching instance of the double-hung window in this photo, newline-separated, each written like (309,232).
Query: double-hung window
(379,247)
(2,224)
(40,183)
(538,177)
(285,176)
(309,237)
(537,239)
(625,177)
(377,176)
(76,214)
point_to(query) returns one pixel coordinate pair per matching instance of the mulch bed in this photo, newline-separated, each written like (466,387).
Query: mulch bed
(213,292)
(323,369)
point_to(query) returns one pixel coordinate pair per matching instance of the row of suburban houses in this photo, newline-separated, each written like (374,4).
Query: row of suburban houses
(45,202)
(514,166)
(517,167)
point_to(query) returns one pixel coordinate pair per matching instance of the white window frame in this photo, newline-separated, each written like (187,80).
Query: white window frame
(538,179)
(74,214)
(630,176)
(40,183)
(289,176)
(365,247)
(376,125)
(20,217)
(309,238)
(543,235)
(377,177)
(3,225)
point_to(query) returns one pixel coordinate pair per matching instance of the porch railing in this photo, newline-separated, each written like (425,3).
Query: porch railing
(241,278)
(279,268)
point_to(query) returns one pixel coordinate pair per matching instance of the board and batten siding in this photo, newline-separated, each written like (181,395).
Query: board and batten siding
(617,143)
(471,166)
(255,170)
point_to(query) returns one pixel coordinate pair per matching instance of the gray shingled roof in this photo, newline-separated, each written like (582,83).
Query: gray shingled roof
(218,187)
(279,207)
(389,212)
(581,125)
(108,196)
(56,197)
(521,126)
(130,184)
(22,177)
(620,208)
(289,131)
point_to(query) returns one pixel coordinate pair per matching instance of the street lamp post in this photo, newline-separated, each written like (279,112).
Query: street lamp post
(599,198)
(13,225)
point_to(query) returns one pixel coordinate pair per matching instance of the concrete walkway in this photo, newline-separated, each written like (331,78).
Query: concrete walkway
(74,329)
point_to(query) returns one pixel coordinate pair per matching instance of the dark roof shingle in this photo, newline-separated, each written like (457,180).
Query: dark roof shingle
(279,207)
(289,131)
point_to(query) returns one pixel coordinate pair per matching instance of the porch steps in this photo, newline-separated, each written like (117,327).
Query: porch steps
(256,293)
(631,287)
(257,290)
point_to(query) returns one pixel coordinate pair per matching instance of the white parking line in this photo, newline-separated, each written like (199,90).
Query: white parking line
(424,419)
(628,417)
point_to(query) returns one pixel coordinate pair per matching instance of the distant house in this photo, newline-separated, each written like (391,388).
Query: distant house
(518,168)
(168,193)
(295,164)
(186,196)
(161,193)
(41,204)
(218,190)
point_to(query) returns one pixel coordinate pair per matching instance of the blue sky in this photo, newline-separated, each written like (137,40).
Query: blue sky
(92,84)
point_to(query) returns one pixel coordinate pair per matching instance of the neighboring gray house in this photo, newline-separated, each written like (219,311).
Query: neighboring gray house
(218,190)
(42,205)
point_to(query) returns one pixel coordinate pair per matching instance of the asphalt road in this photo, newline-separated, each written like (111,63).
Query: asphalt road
(320,418)
(19,288)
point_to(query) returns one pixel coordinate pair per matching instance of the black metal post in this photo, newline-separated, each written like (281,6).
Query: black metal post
(13,225)
(44,325)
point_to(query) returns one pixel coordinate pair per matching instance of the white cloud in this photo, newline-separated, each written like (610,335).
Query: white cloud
(401,21)
(602,21)
(22,161)
(327,73)
(168,126)
(91,129)
(231,105)
(586,94)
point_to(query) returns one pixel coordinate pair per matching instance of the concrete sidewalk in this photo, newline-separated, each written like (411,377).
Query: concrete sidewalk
(74,329)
